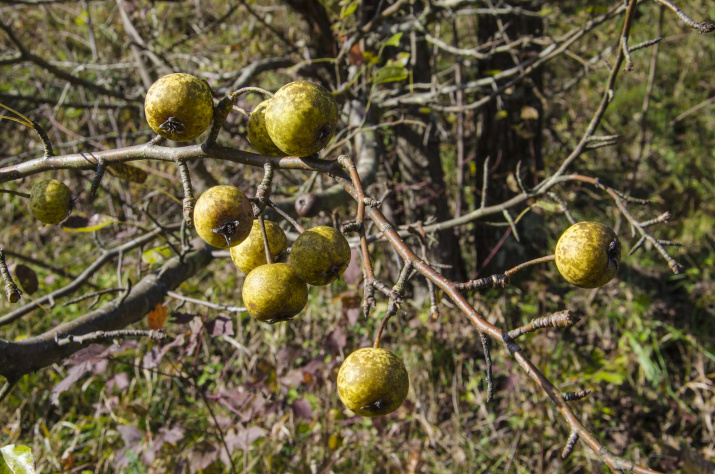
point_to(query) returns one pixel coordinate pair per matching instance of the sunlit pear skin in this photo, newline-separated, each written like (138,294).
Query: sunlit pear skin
(179,106)
(251,253)
(372,382)
(257,133)
(301,118)
(588,254)
(320,255)
(274,293)
(50,201)
(224,209)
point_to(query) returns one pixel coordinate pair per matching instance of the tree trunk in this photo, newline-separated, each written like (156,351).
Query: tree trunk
(509,132)
(421,174)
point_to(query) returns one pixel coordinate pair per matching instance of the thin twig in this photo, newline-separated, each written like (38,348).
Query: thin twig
(285,216)
(63,340)
(6,388)
(12,292)
(561,319)
(703,27)
(219,306)
(189,200)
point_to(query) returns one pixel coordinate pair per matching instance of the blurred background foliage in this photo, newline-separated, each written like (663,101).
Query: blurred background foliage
(644,346)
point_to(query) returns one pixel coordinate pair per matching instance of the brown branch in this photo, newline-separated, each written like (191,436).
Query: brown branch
(81,279)
(62,340)
(219,306)
(26,54)
(18,358)
(560,319)
(702,27)
(12,292)
(369,275)
(605,101)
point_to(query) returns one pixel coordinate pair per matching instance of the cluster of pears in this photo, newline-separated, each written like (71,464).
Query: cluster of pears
(223,217)
(371,381)
(299,120)
(588,254)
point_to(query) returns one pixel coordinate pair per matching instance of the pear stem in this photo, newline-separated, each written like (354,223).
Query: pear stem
(536,261)
(269,257)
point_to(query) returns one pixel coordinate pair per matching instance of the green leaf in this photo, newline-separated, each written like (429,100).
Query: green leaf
(79,223)
(394,40)
(350,9)
(614,378)
(390,74)
(16,460)
(157,254)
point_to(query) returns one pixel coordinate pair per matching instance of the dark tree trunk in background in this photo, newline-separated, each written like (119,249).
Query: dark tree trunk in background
(314,14)
(422,177)
(508,139)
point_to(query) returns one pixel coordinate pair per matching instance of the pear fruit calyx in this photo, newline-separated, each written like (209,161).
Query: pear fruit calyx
(179,106)
(223,216)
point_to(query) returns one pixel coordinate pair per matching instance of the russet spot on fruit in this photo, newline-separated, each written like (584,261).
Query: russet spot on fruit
(258,134)
(274,293)
(179,106)
(301,118)
(320,255)
(223,216)
(372,382)
(588,254)
(251,253)
(50,201)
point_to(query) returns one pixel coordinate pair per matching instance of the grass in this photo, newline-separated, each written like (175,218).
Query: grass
(644,345)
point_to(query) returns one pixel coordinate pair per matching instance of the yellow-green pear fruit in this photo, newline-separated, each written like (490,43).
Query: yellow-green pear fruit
(274,293)
(257,133)
(251,253)
(372,382)
(320,255)
(301,118)
(588,254)
(50,201)
(223,216)
(179,106)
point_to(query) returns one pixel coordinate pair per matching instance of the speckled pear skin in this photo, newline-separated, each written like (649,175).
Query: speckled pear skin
(251,253)
(50,201)
(320,255)
(372,382)
(220,205)
(258,134)
(274,293)
(301,118)
(588,254)
(179,106)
